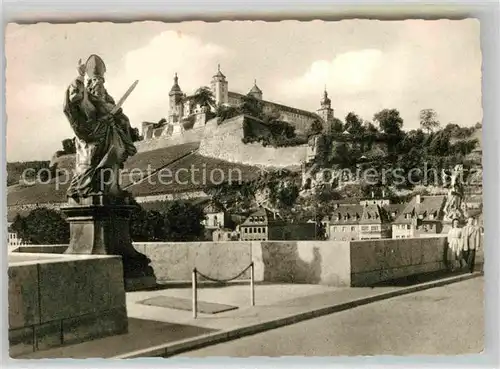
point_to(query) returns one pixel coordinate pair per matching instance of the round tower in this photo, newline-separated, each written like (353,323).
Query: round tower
(255,91)
(219,87)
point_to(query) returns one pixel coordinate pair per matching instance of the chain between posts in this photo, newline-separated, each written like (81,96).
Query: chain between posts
(195,274)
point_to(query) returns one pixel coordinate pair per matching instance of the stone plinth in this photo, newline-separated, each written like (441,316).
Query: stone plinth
(57,300)
(101,225)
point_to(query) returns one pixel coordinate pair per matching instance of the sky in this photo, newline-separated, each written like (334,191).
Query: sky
(366,66)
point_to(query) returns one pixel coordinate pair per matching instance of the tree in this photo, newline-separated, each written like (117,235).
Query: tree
(354,124)
(252,106)
(146,225)
(204,98)
(323,201)
(337,126)
(69,146)
(183,221)
(428,120)
(391,125)
(42,226)
(440,144)
(315,128)
(136,135)
(233,197)
(225,112)
(389,121)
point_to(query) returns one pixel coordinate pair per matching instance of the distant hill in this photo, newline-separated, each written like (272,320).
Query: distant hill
(16,169)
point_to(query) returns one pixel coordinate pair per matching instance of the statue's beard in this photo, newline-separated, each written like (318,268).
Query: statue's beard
(96,90)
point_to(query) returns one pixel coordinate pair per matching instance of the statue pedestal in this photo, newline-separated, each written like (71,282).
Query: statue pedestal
(101,225)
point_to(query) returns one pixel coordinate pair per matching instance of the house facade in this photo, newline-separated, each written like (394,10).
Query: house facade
(422,216)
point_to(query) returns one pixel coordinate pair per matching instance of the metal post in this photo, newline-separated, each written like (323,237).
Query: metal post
(195,294)
(252,287)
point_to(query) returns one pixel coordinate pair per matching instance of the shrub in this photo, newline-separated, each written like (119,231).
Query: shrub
(42,226)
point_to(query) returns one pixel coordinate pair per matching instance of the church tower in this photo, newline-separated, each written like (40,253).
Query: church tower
(326,111)
(255,91)
(219,87)
(175,100)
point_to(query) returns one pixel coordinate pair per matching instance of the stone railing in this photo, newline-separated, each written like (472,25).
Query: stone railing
(335,263)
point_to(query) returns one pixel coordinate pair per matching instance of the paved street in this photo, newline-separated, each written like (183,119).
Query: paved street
(447,320)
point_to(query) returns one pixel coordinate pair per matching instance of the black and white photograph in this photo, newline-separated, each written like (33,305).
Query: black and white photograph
(244,189)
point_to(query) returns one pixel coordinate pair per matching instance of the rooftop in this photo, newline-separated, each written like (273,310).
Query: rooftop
(429,208)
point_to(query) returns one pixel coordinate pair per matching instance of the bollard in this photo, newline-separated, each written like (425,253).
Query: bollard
(252,288)
(195,294)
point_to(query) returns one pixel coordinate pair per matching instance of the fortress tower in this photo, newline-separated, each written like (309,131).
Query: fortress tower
(255,91)
(175,102)
(219,87)
(326,111)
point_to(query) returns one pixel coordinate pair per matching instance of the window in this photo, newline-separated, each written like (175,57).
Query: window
(364,228)
(245,230)
(343,229)
(408,226)
(374,228)
(250,230)
(335,229)
(353,228)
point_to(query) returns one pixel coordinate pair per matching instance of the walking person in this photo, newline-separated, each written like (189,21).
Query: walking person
(471,236)
(454,252)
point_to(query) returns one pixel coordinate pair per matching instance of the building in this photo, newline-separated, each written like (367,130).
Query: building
(216,216)
(374,223)
(423,215)
(225,235)
(184,114)
(14,240)
(343,224)
(361,219)
(265,225)
(259,225)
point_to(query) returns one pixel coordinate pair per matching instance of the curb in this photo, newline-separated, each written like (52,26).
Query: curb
(171,349)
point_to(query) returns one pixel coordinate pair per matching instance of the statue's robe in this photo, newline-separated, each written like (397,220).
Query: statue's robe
(102,145)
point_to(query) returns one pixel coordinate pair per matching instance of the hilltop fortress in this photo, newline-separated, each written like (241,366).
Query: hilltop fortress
(184,115)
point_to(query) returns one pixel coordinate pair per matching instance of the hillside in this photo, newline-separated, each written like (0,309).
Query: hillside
(173,169)
(16,169)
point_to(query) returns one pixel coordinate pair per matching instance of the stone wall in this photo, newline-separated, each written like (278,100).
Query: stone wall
(194,135)
(335,263)
(374,261)
(313,262)
(57,300)
(174,261)
(225,143)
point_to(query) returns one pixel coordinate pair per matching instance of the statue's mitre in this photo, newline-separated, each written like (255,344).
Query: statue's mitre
(95,67)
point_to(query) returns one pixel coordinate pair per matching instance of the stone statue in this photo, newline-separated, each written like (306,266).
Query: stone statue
(98,210)
(104,138)
(454,207)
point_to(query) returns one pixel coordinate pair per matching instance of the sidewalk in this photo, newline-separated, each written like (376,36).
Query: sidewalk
(159,331)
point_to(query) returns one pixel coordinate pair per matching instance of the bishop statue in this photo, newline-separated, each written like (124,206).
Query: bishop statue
(104,138)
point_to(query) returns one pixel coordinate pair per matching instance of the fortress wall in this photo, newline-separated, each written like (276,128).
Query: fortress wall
(224,142)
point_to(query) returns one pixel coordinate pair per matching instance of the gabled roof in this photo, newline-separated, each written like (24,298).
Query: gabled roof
(397,209)
(347,214)
(429,205)
(261,217)
(372,214)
